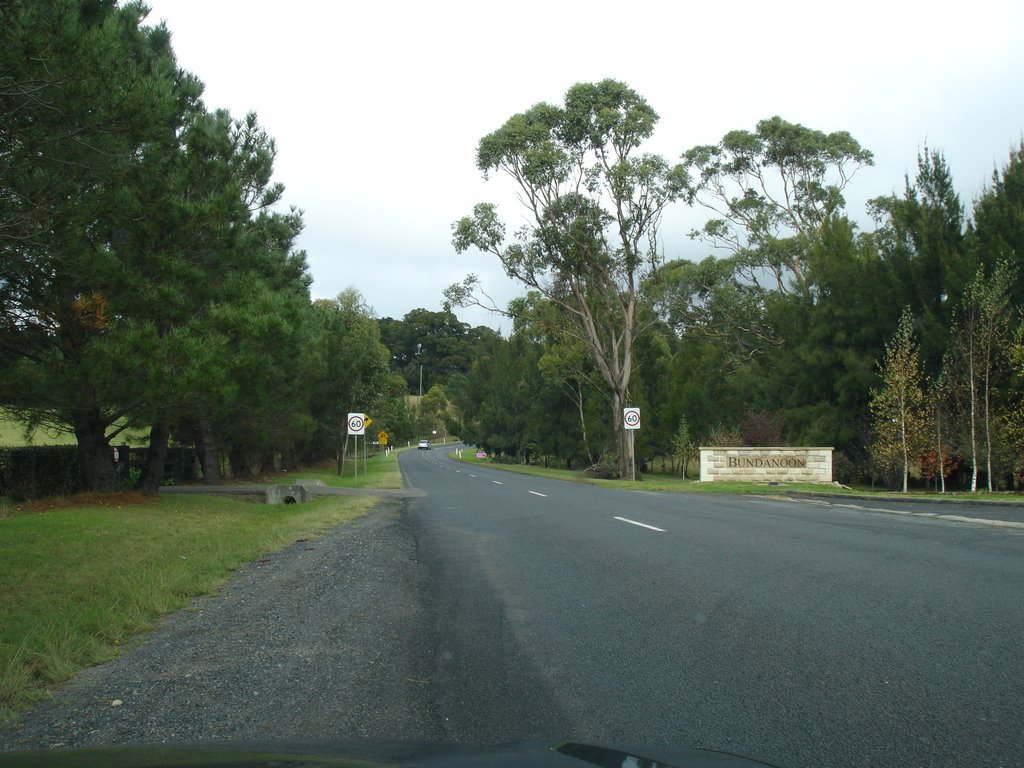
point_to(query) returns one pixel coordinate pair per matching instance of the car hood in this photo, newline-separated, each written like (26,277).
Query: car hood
(362,754)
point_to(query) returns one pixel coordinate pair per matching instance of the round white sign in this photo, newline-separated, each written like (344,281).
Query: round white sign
(356,424)
(631,418)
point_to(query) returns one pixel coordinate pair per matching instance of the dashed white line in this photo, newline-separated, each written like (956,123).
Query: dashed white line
(542,495)
(642,525)
(497,482)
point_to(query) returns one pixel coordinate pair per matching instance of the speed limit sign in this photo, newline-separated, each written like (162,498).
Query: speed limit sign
(357,424)
(631,418)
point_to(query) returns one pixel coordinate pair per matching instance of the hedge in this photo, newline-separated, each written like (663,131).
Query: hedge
(37,471)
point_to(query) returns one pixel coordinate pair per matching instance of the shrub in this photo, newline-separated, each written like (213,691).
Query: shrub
(606,468)
(37,471)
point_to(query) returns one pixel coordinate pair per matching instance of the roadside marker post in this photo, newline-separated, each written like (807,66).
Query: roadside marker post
(631,422)
(357,426)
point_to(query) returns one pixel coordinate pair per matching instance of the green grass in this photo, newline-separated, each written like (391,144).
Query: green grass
(659,482)
(380,471)
(12,435)
(78,582)
(649,482)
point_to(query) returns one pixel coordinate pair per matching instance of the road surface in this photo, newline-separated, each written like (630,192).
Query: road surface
(797,633)
(493,607)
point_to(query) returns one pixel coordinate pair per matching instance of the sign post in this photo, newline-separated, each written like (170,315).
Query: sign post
(356,427)
(367,421)
(631,422)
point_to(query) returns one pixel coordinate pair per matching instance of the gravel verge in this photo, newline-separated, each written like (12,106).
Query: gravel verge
(323,640)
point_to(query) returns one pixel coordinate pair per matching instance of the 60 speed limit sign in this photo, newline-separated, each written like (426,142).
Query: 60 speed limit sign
(357,424)
(631,418)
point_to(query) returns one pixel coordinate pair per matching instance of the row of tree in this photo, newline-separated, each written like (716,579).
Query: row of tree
(968,411)
(427,347)
(149,278)
(779,340)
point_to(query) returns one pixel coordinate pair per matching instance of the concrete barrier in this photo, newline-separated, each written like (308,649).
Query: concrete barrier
(286,494)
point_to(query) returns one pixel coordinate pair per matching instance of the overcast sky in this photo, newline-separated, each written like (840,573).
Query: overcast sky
(377,108)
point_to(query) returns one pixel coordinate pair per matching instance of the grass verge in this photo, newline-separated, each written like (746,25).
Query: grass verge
(380,471)
(78,581)
(657,482)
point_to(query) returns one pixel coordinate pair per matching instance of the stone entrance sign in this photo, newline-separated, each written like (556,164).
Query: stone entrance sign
(792,465)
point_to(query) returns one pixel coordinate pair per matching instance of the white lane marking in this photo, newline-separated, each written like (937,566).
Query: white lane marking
(877,509)
(642,525)
(471,474)
(497,482)
(542,495)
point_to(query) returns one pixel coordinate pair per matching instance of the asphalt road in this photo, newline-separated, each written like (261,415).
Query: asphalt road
(796,633)
(493,607)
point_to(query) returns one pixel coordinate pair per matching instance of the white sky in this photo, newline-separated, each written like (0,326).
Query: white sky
(377,108)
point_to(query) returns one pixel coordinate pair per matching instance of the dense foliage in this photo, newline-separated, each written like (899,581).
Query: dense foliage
(784,339)
(427,348)
(593,204)
(149,279)
(149,276)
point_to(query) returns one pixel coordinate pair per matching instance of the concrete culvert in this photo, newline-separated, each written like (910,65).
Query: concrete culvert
(286,494)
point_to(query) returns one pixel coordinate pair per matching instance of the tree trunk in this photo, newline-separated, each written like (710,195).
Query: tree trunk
(206,447)
(156,457)
(236,460)
(906,452)
(578,398)
(988,425)
(288,461)
(95,456)
(973,405)
(342,453)
(623,439)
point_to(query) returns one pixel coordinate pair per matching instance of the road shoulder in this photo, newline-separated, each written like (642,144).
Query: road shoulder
(321,640)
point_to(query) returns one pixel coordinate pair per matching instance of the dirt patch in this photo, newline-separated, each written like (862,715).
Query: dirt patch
(119,499)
